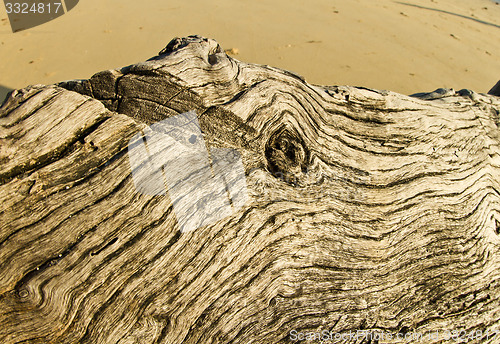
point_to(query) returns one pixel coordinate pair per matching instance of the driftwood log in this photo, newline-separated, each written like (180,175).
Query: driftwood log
(366,210)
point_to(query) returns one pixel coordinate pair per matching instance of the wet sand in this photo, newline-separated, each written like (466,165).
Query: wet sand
(407,46)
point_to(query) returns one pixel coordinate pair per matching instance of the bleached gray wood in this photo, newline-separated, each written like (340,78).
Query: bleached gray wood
(368,209)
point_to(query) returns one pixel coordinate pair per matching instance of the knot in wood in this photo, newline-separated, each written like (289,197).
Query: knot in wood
(23,293)
(286,154)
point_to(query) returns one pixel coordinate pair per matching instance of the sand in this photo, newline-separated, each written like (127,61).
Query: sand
(407,47)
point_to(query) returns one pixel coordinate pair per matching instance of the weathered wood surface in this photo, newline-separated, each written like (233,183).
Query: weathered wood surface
(387,216)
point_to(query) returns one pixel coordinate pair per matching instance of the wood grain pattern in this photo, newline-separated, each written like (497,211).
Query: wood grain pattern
(368,209)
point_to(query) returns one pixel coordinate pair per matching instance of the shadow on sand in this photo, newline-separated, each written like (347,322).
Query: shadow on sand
(450,13)
(3,92)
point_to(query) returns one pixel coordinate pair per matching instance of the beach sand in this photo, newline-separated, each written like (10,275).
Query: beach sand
(407,46)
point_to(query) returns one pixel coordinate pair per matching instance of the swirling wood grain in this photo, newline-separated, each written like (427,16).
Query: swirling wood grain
(368,209)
